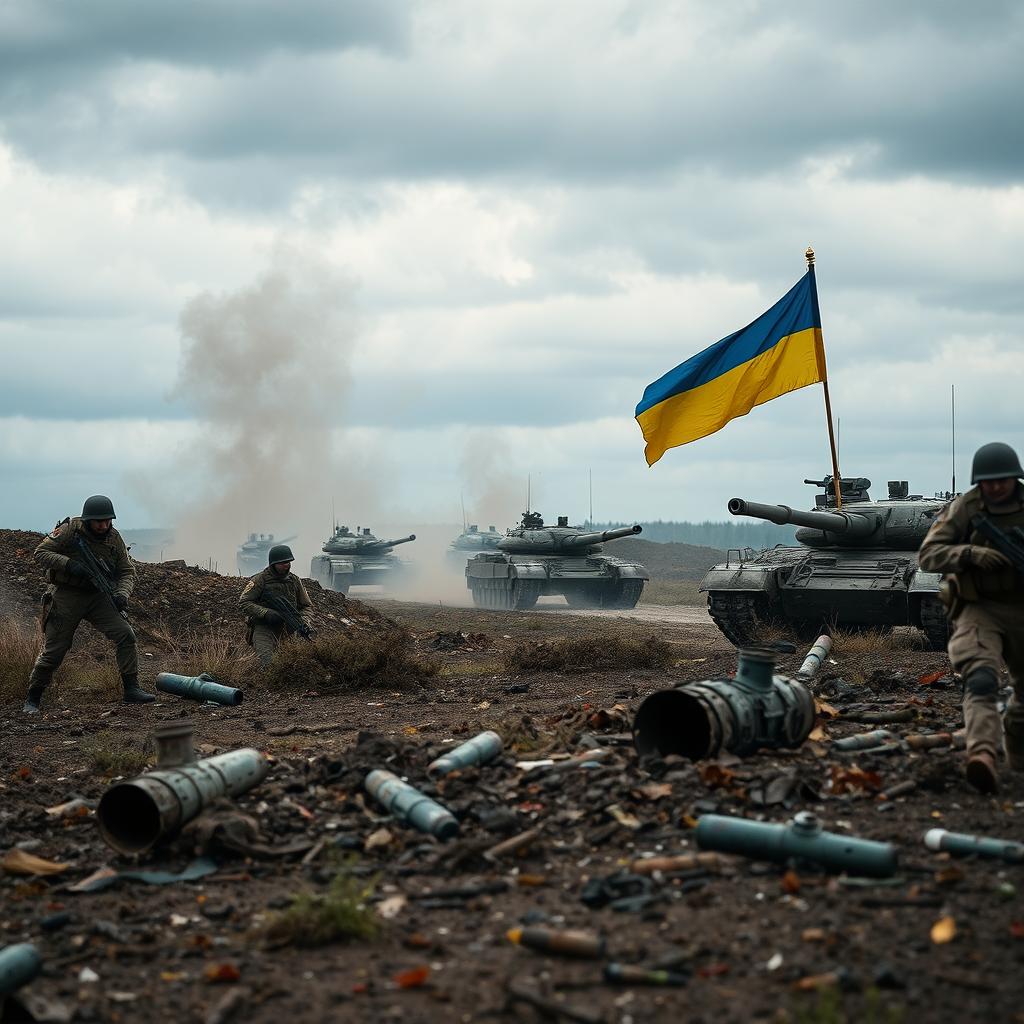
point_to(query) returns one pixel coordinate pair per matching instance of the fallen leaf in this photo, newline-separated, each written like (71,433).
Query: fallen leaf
(817,734)
(413,978)
(813,935)
(943,931)
(931,677)
(791,883)
(219,973)
(20,862)
(381,837)
(410,730)
(821,708)
(949,875)
(814,982)
(390,907)
(625,819)
(854,780)
(530,881)
(715,776)
(653,790)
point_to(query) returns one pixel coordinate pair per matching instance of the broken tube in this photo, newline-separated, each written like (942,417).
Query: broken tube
(815,657)
(19,964)
(408,804)
(134,815)
(753,710)
(961,844)
(202,688)
(803,839)
(479,750)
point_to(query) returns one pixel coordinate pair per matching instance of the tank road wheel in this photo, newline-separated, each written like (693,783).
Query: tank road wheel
(524,594)
(934,623)
(624,594)
(583,595)
(738,615)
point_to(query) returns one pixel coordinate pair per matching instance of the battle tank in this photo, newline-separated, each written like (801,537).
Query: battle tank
(356,559)
(855,568)
(535,560)
(472,541)
(252,554)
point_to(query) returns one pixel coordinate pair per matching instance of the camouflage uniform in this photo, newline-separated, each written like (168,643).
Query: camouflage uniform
(71,598)
(988,621)
(263,636)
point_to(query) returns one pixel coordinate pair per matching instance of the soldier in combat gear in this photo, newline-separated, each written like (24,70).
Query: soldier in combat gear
(986,605)
(266,627)
(71,597)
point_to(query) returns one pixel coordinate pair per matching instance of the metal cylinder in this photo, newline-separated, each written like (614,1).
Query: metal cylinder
(132,816)
(754,710)
(864,740)
(960,844)
(202,688)
(174,745)
(802,839)
(484,747)
(19,964)
(815,657)
(408,804)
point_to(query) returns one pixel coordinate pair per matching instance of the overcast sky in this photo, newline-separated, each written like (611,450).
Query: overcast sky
(522,214)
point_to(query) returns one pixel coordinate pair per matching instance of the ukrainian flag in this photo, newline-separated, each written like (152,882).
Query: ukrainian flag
(782,350)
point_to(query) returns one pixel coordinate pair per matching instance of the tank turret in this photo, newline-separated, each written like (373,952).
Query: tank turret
(473,540)
(252,553)
(534,560)
(855,567)
(344,541)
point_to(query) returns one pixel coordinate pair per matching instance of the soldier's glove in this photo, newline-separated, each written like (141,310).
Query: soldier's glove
(120,602)
(987,559)
(272,618)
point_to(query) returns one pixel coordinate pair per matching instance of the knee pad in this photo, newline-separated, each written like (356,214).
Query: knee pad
(982,682)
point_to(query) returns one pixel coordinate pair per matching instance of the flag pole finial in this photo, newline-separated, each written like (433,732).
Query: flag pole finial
(809,256)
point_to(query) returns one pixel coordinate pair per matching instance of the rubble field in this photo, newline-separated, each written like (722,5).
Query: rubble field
(418,930)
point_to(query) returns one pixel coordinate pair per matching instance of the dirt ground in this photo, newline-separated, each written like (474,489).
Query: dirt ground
(941,941)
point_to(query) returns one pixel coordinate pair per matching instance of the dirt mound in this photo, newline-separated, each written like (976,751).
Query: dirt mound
(667,561)
(170,597)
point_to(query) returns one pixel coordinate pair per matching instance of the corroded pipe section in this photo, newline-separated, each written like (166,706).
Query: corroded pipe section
(19,964)
(815,657)
(202,688)
(410,805)
(484,747)
(133,816)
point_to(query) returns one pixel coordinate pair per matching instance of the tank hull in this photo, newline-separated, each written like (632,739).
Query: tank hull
(805,590)
(340,573)
(507,581)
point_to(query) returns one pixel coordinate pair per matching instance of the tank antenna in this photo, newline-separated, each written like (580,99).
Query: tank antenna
(528,492)
(462,498)
(809,256)
(952,430)
(590,521)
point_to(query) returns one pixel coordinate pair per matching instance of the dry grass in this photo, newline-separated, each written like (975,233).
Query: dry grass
(673,592)
(109,753)
(456,669)
(18,649)
(874,642)
(339,915)
(221,653)
(606,654)
(348,662)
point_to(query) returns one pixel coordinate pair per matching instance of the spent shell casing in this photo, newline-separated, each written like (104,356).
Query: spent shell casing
(960,844)
(863,740)
(632,974)
(567,942)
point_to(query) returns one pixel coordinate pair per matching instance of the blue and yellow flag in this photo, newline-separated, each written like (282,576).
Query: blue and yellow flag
(780,351)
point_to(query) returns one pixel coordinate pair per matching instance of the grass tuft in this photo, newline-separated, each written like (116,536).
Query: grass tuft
(348,662)
(606,654)
(109,755)
(339,915)
(220,652)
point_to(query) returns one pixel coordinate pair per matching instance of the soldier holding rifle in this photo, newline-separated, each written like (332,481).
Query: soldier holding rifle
(275,603)
(978,542)
(91,577)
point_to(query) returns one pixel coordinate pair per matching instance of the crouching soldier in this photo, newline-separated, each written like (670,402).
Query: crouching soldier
(987,609)
(72,596)
(273,585)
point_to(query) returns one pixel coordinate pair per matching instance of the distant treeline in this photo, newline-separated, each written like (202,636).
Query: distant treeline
(723,535)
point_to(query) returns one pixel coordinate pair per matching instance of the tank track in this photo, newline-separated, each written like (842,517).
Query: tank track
(625,595)
(522,594)
(934,623)
(735,614)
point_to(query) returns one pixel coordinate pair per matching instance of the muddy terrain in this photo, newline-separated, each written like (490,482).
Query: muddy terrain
(318,906)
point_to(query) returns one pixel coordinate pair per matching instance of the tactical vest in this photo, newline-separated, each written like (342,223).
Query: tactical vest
(1004,584)
(275,586)
(105,550)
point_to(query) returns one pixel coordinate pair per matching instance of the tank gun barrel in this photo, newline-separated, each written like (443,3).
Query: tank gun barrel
(392,543)
(851,524)
(583,540)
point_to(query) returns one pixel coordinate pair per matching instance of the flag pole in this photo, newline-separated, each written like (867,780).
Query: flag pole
(809,256)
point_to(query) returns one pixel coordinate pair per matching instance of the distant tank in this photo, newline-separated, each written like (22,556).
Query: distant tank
(471,542)
(357,560)
(252,554)
(854,569)
(535,560)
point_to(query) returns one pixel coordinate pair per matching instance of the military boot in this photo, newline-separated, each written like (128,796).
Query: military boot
(33,699)
(133,693)
(981,772)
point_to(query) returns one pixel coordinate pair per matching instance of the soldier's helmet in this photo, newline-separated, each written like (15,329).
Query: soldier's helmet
(280,553)
(99,506)
(995,461)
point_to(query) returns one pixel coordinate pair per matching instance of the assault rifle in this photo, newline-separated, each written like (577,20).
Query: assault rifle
(292,620)
(98,574)
(1008,542)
